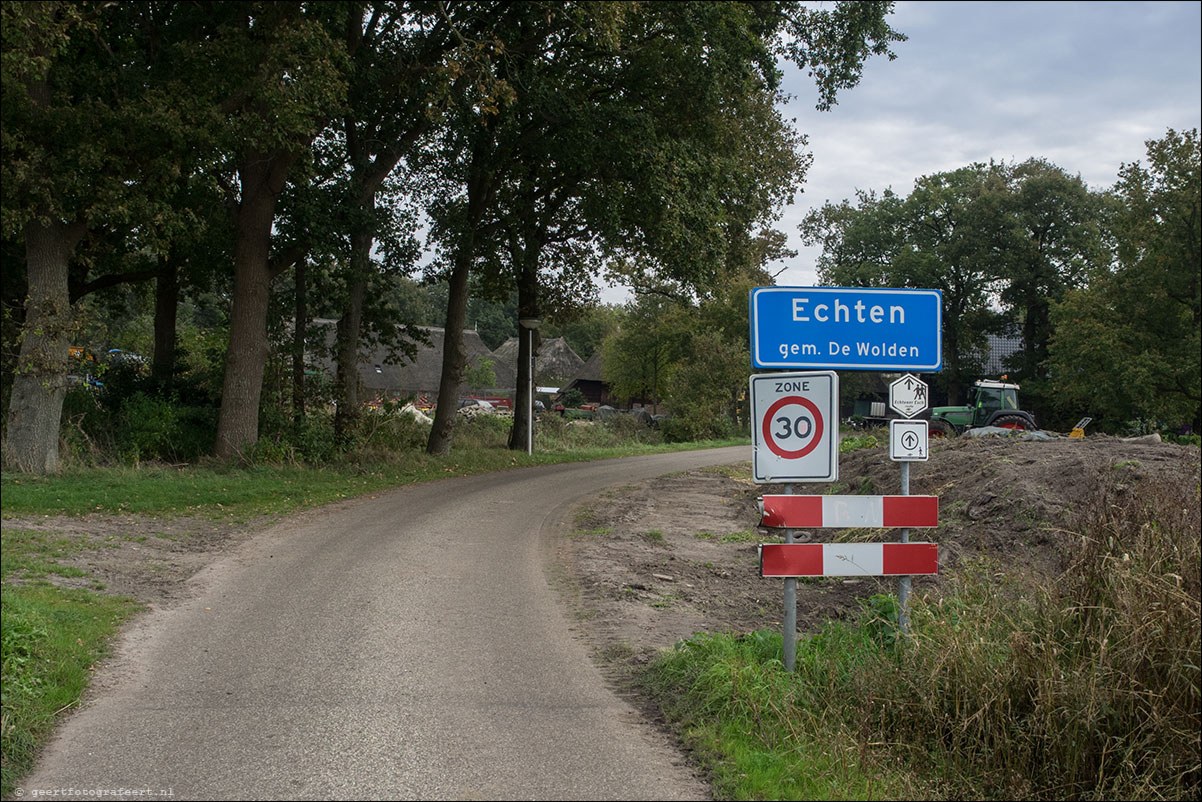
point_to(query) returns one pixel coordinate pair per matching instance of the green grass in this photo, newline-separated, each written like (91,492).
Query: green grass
(1083,687)
(742,536)
(598,530)
(738,471)
(764,733)
(30,554)
(53,635)
(243,493)
(853,442)
(50,638)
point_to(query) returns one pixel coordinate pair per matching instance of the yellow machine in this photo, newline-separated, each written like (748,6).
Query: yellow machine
(1079,430)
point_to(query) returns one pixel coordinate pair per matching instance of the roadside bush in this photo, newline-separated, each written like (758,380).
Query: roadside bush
(695,425)
(481,431)
(131,417)
(627,428)
(83,438)
(388,433)
(1089,689)
(147,426)
(284,440)
(1085,688)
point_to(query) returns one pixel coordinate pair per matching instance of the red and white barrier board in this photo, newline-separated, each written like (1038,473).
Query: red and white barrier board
(813,512)
(848,559)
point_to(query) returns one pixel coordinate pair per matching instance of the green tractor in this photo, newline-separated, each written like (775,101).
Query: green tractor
(994,403)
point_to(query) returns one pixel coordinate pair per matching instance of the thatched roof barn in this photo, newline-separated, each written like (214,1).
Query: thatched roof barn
(588,381)
(421,376)
(555,362)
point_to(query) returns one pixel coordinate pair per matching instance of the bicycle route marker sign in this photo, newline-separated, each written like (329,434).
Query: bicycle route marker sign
(908,396)
(909,441)
(846,328)
(795,432)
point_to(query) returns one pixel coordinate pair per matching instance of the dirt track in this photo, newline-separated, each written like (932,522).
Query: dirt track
(659,560)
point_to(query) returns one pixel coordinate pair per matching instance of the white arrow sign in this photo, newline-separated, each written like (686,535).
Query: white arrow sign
(908,441)
(908,395)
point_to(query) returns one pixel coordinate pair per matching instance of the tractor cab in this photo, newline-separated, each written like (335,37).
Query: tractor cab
(993,397)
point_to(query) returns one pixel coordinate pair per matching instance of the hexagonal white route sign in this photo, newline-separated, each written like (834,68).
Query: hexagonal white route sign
(908,396)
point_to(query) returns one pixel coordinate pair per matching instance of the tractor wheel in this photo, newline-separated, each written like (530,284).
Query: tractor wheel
(941,428)
(1015,422)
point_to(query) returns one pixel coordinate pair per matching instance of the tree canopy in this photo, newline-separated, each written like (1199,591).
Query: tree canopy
(1127,345)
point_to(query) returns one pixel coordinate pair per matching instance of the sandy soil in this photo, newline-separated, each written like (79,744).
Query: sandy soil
(652,563)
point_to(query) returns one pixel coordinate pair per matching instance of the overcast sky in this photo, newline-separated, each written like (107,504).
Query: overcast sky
(1082,85)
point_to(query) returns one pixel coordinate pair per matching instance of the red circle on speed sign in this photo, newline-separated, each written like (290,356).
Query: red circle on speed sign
(816,430)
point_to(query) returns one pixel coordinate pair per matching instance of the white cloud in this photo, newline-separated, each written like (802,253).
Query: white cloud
(1083,85)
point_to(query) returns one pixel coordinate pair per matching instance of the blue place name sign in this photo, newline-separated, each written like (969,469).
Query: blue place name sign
(847,328)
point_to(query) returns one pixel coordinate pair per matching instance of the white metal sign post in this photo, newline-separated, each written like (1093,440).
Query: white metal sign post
(909,441)
(795,438)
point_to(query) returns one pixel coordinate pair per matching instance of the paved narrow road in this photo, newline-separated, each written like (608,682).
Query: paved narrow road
(406,646)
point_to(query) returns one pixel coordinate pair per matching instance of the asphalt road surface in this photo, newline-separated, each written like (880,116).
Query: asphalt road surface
(402,647)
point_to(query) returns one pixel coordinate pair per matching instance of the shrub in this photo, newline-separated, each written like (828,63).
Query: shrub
(628,428)
(572,397)
(1086,688)
(147,426)
(697,425)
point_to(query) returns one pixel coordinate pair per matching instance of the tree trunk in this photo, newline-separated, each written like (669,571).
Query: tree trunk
(350,328)
(480,187)
(300,324)
(36,407)
(454,355)
(527,347)
(166,309)
(262,177)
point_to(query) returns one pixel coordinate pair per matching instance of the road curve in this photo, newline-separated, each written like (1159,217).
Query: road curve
(401,647)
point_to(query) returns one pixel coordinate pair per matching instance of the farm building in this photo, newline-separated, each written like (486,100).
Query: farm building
(554,364)
(589,382)
(420,377)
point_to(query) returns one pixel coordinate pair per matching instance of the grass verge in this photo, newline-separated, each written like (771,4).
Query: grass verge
(242,493)
(50,639)
(1086,689)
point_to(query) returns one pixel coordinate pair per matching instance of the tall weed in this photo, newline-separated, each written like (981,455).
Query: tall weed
(1084,688)
(1088,689)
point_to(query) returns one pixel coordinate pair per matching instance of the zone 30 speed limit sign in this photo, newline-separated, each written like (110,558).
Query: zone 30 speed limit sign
(795,426)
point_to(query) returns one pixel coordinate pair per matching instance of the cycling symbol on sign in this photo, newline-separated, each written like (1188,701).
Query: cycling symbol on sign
(794,426)
(908,395)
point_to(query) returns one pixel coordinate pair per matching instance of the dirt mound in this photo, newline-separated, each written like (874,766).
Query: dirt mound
(658,561)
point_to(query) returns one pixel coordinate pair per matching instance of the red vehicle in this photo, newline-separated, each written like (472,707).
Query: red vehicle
(498,401)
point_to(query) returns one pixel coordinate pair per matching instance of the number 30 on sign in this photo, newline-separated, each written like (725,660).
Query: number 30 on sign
(795,426)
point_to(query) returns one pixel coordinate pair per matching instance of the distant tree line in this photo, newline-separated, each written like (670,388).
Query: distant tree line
(242,168)
(1102,286)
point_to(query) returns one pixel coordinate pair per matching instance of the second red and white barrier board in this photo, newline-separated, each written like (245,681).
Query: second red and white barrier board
(848,559)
